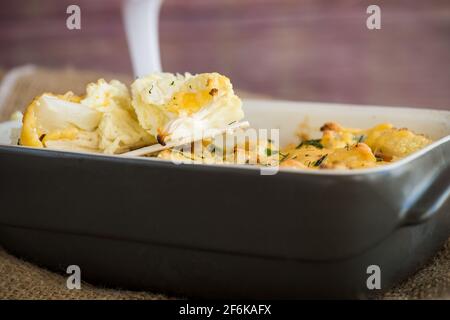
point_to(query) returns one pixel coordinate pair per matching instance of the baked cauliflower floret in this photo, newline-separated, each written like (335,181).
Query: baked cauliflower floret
(103,121)
(356,156)
(101,95)
(390,142)
(336,136)
(173,106)
(315,156)
(118,130)
(59,117)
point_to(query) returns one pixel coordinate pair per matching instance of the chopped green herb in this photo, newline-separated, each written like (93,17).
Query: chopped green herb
(283,156)
(150,91)
(172,83)
(270,152)
(319,162)
(361,138)
(313,142)
(211,148)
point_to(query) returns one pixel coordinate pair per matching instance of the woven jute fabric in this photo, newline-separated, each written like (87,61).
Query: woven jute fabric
(22,280)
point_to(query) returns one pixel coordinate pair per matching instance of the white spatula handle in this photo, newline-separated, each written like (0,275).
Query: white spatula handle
(141,27)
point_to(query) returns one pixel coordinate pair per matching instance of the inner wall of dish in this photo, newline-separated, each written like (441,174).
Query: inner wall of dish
(292,117)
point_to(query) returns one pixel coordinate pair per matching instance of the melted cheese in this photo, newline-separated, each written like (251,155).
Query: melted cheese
(350,148)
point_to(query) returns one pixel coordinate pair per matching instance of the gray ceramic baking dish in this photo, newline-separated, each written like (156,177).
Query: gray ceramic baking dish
(227,231)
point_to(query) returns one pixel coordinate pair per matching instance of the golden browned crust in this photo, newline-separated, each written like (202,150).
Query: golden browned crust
(330,126)
(214,91)
(384,157)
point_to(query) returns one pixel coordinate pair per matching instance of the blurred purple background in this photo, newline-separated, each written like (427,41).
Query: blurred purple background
(313,50)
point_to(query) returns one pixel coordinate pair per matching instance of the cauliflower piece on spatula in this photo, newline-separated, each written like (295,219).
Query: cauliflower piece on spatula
(173,106)
(103,121)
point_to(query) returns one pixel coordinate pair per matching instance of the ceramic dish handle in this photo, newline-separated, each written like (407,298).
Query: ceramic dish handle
(141,27)
(430,201)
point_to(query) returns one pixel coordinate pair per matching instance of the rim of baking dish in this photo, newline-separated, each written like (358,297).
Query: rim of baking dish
(328,172)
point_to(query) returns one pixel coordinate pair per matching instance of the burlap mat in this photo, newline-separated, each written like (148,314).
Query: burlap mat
(23,280)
